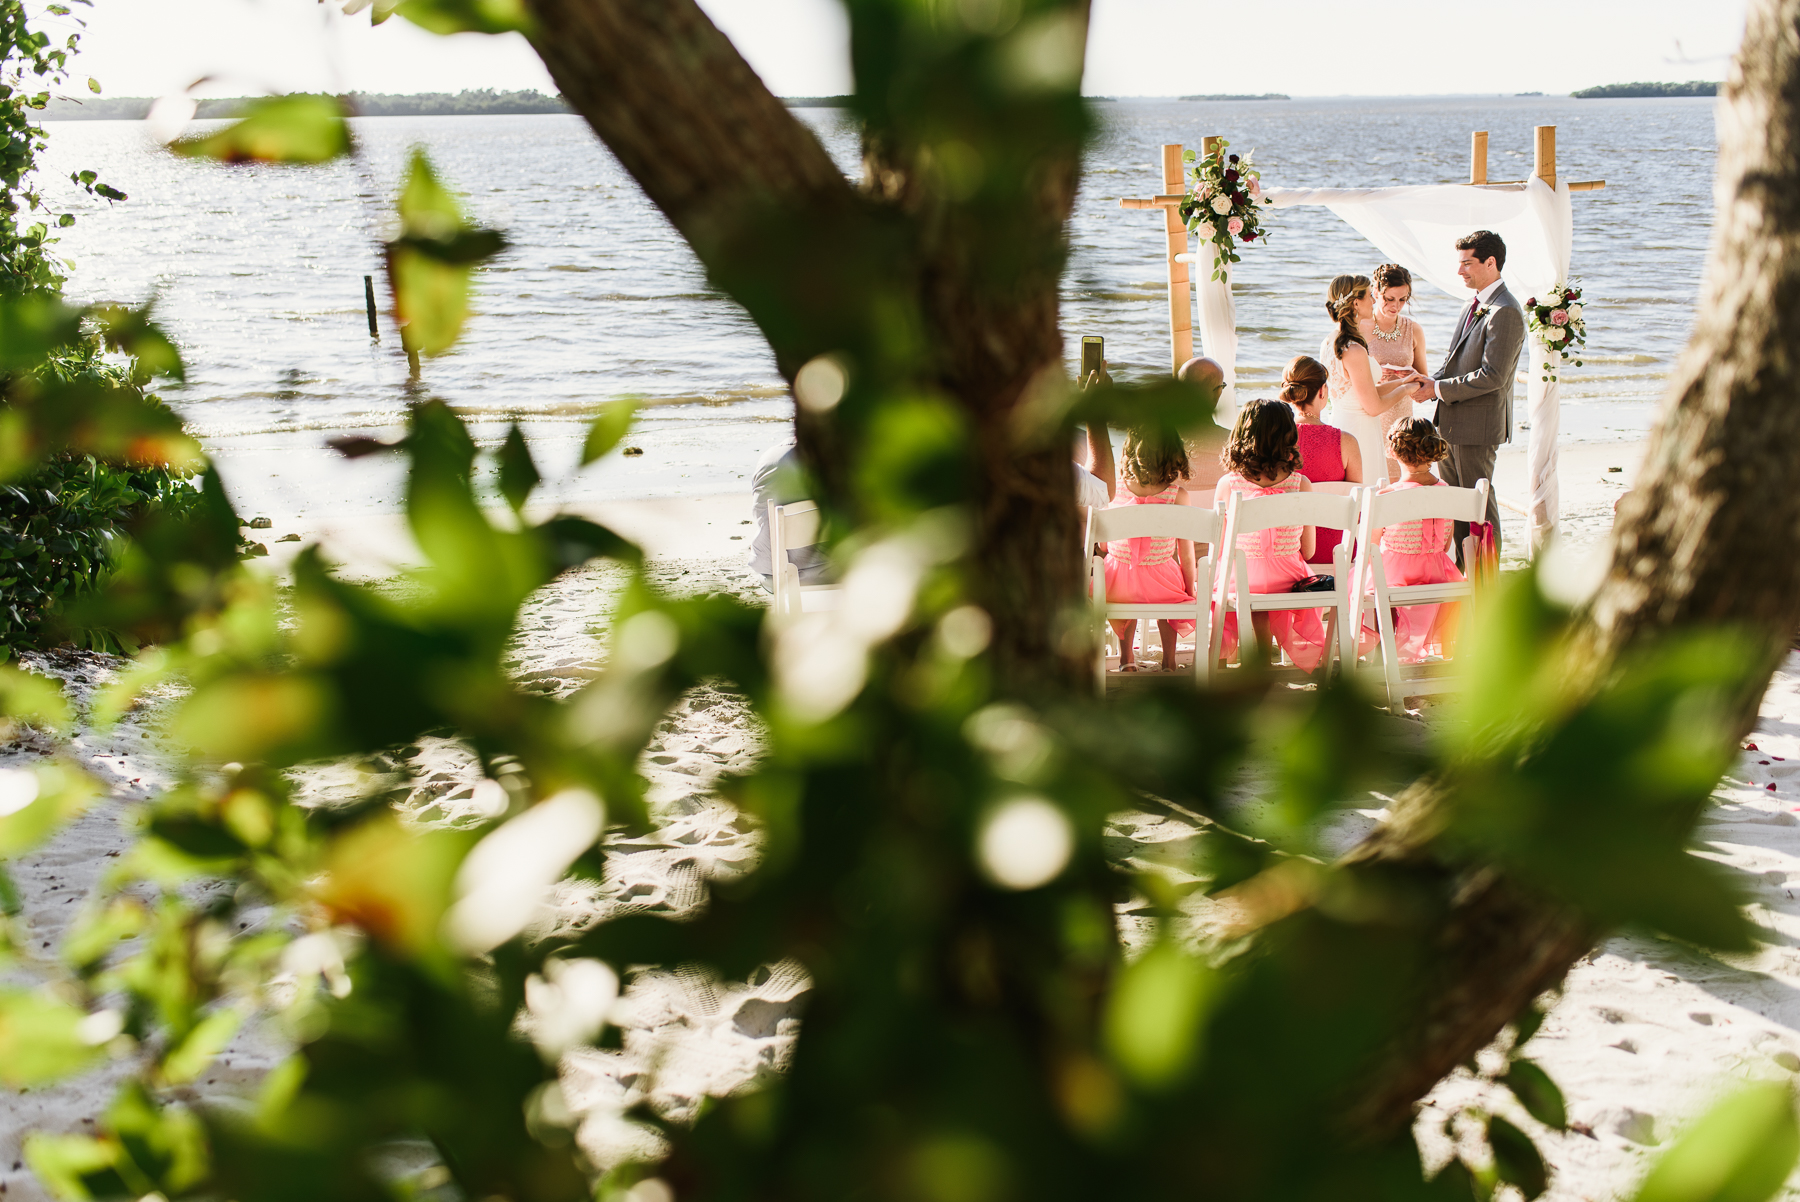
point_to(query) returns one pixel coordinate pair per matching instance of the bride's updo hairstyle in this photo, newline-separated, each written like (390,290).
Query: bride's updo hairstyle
(1392,275)
(1264,443)
(1303,380)
(1346,290)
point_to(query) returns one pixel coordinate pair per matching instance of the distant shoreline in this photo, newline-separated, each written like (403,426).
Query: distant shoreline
(489,103)
(1642,90)
(484,102)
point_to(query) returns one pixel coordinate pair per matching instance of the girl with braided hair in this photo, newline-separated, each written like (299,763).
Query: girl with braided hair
(1417,552)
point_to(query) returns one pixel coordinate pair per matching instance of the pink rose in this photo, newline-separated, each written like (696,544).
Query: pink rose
(1235,225)
(1255,186)
(1559,317)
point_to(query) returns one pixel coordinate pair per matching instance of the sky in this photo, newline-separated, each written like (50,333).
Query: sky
(1135,47)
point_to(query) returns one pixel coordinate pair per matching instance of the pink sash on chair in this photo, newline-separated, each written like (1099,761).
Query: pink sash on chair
(1487,557)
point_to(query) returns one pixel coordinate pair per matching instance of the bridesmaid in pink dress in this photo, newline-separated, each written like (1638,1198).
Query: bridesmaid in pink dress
(1262,459)
(1417,552)
(1327,453)
(1396,343)
(1151,571)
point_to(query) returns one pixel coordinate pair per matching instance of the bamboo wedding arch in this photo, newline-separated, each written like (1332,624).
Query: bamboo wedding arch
(1415,227)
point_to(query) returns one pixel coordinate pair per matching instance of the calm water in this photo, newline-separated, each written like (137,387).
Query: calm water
(259,270)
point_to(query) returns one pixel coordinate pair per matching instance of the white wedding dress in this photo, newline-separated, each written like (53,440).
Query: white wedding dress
(1347,415)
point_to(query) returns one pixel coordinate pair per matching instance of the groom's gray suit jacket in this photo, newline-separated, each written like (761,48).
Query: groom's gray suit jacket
(1475,383)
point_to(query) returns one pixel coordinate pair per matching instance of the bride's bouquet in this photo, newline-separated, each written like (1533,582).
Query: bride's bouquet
(1224,202)
(1556,320)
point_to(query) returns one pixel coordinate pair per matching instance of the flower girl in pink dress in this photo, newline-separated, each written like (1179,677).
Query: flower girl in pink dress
(1151,571)
(1262,459)
(1417,552)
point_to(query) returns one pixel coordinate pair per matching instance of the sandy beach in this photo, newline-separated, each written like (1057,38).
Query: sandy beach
(1645,1033)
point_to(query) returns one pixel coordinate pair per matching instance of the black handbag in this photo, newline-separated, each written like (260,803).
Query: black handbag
(1315,584)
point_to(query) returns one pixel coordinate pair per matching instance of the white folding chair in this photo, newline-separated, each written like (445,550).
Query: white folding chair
(1252,515)
(792,527)
(1155,521)
(1388,509)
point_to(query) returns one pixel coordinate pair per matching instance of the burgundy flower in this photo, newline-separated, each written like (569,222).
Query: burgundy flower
(1249,235)
(1231,177)
(1232,158)
(1531,303)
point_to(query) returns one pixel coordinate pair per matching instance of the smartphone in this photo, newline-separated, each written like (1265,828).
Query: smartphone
(1093,355)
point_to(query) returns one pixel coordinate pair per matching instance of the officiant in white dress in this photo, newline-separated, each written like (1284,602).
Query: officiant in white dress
(1362,403)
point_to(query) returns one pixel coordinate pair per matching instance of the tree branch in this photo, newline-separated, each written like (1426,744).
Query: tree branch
(1711,535)
(683,112)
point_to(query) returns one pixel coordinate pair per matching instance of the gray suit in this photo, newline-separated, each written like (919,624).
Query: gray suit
(1475,395)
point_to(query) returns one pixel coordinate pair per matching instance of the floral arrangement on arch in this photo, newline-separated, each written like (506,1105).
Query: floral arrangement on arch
(1556,320)
(1224,202)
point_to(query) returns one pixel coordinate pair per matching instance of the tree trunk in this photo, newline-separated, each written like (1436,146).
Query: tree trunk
(826,268)
(1710,535)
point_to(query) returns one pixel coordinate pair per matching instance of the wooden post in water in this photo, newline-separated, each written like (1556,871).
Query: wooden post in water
(1544,159)
(369,300)
(1478,157)
(1181,303)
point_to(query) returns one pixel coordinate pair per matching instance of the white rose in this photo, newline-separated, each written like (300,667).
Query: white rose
(1574,312)
(1221,205)
(1553,297)
(1556,334)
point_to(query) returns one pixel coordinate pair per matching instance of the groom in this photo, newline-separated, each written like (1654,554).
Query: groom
(1474,387)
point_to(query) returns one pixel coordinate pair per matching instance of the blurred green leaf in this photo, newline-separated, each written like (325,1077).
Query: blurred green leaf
(33,325)
(429,264)
(34,802)
(10,902)
(393,882)
(251,716)
(467,16)
(165,1146)
(40,1039)
(1537,1093)
(301,128)
(75,1168)
(1173,405)
(130,330)
(1516,1158)
(35,699)
(1741,1151)
(208,1038)
(916,455)
(518,474)
(608,429)
(96,933)
(1154,1018)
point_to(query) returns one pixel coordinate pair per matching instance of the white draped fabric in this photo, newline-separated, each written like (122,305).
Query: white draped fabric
(1417,227)
(1218,326)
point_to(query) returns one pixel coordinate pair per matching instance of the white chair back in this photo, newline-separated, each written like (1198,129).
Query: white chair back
(1252,515)
(793,527)
(1380,510)
(1155,521)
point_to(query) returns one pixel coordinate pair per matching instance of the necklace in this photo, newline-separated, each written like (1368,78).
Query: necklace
(1399,329)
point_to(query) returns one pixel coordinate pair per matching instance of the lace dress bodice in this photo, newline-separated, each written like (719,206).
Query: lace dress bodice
(1142,552)
(1371,432)
(1277,541)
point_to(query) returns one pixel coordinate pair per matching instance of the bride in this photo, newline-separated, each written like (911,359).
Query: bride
(1359,396)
